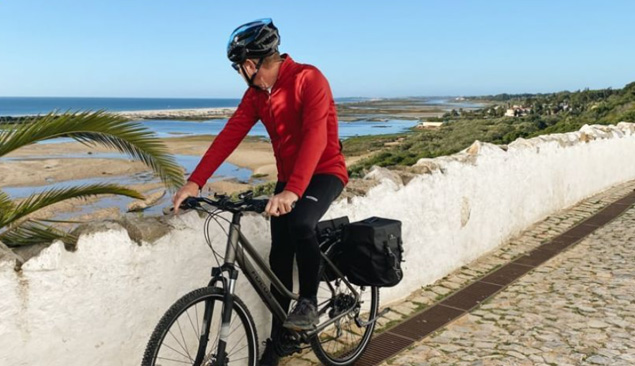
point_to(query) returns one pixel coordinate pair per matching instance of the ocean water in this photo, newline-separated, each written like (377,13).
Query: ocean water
(19,106)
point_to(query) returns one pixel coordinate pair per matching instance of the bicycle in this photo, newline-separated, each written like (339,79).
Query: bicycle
(347,313)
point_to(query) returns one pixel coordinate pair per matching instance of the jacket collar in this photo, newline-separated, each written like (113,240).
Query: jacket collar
(286,69)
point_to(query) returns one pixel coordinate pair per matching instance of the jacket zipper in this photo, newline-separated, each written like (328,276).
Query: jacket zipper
(284,176)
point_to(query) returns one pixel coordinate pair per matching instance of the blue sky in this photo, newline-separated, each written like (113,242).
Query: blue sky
(143,48)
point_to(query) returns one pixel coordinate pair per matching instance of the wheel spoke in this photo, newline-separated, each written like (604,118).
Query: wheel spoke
(192,323)
(169,359)
(177,351)
(184,342)
(198,331)
(179,343)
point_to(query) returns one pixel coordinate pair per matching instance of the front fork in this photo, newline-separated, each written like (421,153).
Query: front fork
(220,358)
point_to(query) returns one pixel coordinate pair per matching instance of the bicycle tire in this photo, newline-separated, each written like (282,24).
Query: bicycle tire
(339,348)
(184,305)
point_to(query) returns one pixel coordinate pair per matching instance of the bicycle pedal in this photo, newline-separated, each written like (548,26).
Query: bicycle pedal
(300,329)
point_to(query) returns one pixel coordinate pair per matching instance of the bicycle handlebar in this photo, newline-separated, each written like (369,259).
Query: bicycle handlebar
(244,203)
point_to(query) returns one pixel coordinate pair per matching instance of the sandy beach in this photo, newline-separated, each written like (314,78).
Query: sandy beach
(183,114)
(42,163)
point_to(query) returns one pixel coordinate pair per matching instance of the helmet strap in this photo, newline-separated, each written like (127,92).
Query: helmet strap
(250,81)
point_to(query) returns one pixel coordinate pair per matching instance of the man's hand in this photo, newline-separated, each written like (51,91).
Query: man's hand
(281,203)
(190,189)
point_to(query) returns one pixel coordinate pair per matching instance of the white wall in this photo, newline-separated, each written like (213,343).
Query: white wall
(98,305)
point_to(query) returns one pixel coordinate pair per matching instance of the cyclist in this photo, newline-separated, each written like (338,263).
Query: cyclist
(295,104)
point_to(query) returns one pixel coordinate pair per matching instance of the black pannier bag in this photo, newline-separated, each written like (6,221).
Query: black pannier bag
(329,233)
(373,252)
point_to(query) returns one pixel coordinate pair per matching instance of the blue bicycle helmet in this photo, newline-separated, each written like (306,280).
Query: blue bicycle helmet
(257,39)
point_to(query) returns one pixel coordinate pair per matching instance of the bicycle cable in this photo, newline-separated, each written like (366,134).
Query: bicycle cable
(214,215)
(208,240)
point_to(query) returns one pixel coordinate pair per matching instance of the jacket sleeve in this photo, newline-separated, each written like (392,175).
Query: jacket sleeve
(227,140)
(316,103)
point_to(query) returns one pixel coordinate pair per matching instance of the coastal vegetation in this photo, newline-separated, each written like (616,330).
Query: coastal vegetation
(17,227)
(535,114)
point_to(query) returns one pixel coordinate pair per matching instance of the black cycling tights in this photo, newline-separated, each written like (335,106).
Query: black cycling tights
(294,234)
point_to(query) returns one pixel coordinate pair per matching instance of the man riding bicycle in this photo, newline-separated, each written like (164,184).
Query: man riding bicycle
(295,104)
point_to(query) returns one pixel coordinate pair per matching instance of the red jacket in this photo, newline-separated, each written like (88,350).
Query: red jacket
(301,120)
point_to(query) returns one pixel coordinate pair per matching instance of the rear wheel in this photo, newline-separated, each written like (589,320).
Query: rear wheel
(189,333)
(343,342)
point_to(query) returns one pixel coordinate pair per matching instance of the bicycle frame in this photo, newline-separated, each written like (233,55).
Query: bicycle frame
(237,245)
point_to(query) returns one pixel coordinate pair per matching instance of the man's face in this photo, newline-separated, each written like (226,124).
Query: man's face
(247,70)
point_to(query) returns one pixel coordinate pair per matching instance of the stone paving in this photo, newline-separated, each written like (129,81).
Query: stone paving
(574,309)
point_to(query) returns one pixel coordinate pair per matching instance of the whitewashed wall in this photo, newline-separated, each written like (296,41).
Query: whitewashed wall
(99,304)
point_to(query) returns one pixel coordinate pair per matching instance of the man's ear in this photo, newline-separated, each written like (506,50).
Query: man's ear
(250,66)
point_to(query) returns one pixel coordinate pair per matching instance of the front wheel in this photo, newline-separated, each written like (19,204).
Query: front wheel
(189,333)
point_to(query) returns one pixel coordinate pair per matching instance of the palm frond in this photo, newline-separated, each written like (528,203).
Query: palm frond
(98,127)
(55,195)
(6,205)
(5,200)
(60,221)
(34,233)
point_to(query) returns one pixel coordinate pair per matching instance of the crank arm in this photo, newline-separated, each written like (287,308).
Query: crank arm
(361,323)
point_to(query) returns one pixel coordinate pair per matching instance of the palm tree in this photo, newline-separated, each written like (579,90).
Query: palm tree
(89,128)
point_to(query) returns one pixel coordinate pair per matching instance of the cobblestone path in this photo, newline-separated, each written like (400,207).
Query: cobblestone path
(576,309)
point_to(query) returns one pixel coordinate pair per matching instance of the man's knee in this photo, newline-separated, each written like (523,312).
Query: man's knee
(300,227)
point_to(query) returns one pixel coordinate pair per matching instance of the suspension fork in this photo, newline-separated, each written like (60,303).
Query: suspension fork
(228,305)
(217,276)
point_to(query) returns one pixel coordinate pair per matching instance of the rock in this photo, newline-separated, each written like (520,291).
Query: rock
(6,254)
(151,200)
(406,173)
(357,187)
(474,148)
(598,360)
(381,174)
(29,251)
(594,323)
(91,228)
(595,132)
(425,166)
(145,229)
(627,127)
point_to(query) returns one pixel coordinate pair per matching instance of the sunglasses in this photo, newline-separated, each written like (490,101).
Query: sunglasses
(236,66)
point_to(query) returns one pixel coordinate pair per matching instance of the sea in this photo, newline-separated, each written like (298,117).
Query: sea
(20,106)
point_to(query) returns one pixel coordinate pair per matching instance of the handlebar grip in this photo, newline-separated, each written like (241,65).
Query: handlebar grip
(260,205)
(188,203)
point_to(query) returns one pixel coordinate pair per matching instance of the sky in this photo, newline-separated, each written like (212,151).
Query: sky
(177,49)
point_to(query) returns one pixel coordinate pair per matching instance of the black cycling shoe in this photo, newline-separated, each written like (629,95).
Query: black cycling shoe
(304,315)
(269,356)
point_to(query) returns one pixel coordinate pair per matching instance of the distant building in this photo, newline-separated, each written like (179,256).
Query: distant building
(429,125)
(517,111)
